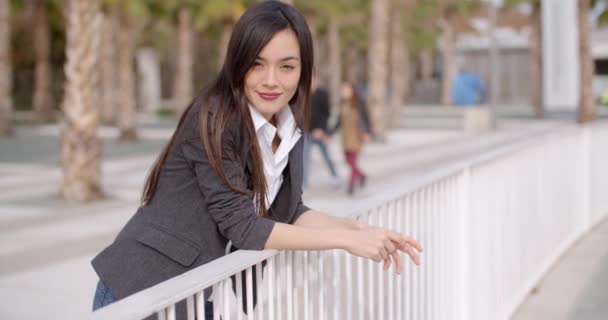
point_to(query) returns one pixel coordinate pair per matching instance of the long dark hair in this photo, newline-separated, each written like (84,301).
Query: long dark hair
(251,33)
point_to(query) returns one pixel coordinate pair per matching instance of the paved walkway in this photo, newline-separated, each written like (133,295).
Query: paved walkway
(46,244)
(576,288)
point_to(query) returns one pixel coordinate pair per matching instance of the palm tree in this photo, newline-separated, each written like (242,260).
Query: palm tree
(127,115)
(81,148)
(182,86)
(43,101)
(535,56)
(6,102)
(109,85)
(377,64)
(400,60)
(536,60)
(586,108)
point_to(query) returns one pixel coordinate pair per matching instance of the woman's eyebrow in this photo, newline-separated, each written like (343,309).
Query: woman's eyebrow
(282,59)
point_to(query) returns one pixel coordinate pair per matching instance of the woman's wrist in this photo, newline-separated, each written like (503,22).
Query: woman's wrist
(355,224)
(342,237)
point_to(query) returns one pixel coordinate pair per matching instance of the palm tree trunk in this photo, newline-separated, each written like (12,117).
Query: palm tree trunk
(7,113)
(377,63)
(586,111)
(127,116)
(399,67)
(224,39)
(536,61)
(335,63)
(447,78)
(352,62)
(81,149)
(426,64)
(109,80)
(43,101)
(182,86)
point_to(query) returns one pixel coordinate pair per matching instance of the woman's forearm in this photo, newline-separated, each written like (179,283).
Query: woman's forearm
(296,237)
(317,219)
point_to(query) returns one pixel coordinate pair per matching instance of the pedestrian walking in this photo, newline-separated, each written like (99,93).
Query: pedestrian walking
(354,123)
(231,175)
(318,134)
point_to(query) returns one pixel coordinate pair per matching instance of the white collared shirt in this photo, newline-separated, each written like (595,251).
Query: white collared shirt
(275,163)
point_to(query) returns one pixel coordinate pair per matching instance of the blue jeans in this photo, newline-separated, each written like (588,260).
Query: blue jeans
(309,141)
(104,297)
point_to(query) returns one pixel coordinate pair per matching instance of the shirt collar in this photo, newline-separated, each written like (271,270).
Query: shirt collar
(286,123)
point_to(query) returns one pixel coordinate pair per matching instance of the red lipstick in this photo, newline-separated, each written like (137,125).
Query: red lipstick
(269,96)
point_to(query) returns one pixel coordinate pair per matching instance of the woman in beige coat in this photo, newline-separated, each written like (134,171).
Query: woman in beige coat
(355,132)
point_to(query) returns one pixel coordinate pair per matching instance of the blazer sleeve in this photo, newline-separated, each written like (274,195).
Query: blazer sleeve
(233,212)
(300,207)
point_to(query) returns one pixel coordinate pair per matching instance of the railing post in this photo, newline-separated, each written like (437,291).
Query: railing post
(463,247)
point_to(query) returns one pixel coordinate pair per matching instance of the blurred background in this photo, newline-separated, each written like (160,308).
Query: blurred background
(90,92)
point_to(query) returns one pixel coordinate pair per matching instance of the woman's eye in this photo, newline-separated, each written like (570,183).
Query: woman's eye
(288,67)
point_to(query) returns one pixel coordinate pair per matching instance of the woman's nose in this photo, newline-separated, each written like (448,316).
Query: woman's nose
(270,78)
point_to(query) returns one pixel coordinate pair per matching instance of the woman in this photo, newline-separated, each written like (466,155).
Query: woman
(355,131)
(231,175)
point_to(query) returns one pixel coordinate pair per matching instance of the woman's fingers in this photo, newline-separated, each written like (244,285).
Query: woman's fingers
(404,240)
(412,253)
(383,253)
(412,242)
(390,247)
(387,263)
(397,260)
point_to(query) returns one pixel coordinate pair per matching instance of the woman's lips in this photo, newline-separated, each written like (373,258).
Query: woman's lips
(268,96)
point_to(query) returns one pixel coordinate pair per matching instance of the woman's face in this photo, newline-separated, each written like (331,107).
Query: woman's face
(346,91)
(273,80)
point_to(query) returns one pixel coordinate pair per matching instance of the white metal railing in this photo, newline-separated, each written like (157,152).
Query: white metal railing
(491,227)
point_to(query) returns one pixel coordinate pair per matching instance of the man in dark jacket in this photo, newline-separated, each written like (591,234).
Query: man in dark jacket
(318,133)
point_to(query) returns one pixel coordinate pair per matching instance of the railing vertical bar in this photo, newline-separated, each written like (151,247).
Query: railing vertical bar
(321,265)
(442,251)
(348,275)
(226,291)
(170,310)
(280,284)
(390,208)
(249,292)
(381,216)
(306,280)
(454,211)
(360,284)
(298,283)
(190,308)
(271,284)
(239,296)
(289,286)
(433,235)
(162,314)
(200,305)
(337,275)
(399,282)
(370,278)
(416,278)
(426,270)
(409,279)
(216,300)
(260,283)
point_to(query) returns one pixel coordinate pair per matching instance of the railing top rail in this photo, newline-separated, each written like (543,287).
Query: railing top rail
(167,293)
(144,303)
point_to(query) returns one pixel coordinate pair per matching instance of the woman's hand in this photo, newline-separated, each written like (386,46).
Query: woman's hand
(380,244)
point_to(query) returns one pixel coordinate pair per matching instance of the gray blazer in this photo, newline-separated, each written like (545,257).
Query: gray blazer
(194,213)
